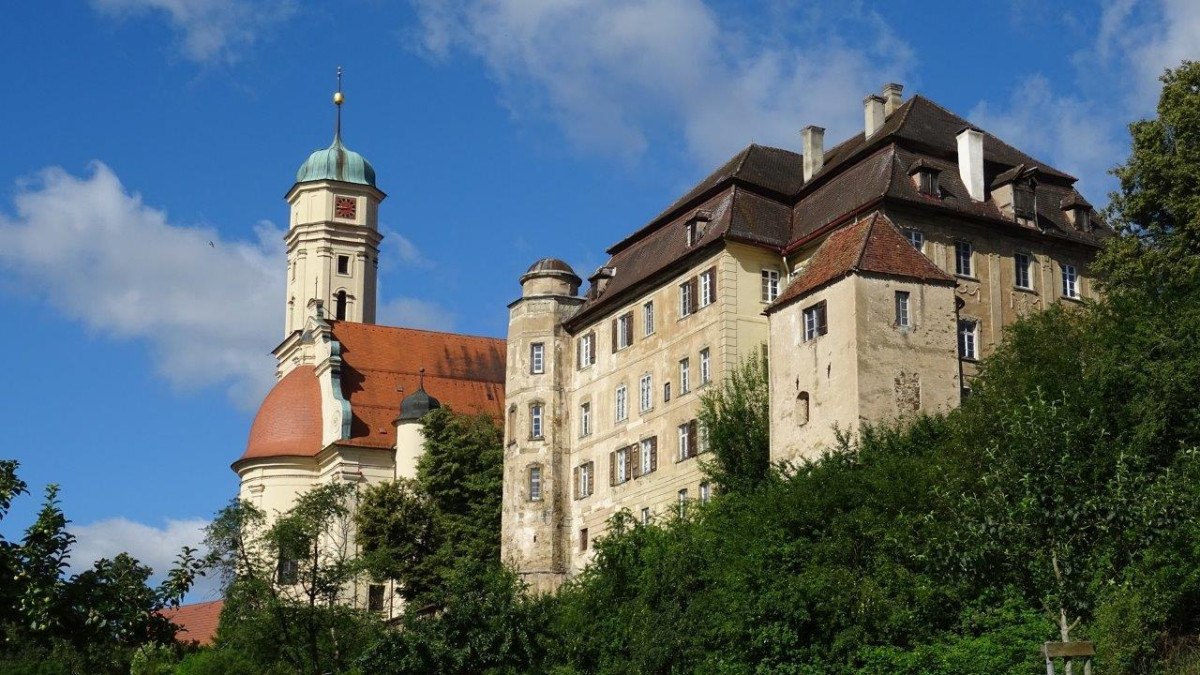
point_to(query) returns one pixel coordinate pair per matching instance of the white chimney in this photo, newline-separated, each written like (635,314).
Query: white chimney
(813,138)
(872,114)
(892,98)
(970,161)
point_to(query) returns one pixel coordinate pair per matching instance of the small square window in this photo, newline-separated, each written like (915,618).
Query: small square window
(915,237)
(343,264)
(583,539)
(815,322)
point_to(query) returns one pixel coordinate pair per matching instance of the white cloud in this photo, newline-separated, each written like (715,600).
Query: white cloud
(210,309)
(412,313)
(155,547)
(211,30)
(400,249)
(614,74)
(1116,81)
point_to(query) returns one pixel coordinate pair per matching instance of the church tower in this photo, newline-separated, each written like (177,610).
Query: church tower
(333,234)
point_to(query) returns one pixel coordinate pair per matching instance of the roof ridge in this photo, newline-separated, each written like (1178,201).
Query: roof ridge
(335,322)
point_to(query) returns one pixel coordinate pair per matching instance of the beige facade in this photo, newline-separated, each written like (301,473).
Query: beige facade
(920,238)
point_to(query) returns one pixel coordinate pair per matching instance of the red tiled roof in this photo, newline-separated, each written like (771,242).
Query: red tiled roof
(288,422)
(382,364)
(197,623)
(872,245)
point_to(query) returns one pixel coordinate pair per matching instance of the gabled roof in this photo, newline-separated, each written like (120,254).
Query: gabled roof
(872,245)
(382,364)
(197,622)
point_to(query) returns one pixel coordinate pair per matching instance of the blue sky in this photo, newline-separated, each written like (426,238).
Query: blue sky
(139,130)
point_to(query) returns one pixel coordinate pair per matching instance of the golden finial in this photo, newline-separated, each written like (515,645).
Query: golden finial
(337,101)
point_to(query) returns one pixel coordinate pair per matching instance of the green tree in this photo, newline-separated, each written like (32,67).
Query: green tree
(735,419)
(420,531)
(290,583)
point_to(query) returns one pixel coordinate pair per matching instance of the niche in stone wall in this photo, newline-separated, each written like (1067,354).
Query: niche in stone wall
(801,414)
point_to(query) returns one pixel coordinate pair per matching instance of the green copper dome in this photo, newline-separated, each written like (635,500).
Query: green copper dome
(337,162)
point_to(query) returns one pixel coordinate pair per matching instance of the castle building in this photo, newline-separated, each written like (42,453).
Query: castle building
(350,394)
(877,272)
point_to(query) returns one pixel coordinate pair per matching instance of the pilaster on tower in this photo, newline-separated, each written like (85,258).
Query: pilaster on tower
(333,234)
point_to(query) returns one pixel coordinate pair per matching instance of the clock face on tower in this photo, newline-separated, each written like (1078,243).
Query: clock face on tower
(345,207)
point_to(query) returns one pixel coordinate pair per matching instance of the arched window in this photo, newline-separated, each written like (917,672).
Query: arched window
(802,408)
(340,305)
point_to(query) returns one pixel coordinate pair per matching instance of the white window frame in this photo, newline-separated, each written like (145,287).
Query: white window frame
(536,421)
(968,339)
(705,492)
(587,350)
(770,284)
(585,478)
(645,515)
(535,483)
(685,448)
(349,268)
(623,465)
(814,327)
(915,237)
(903,309)
(1023,272)
(648,318)
(585,419)
(964,259)
(685,376)
(624,330)
(537,358)
(707,294)
(705,366)
(621,404)
(644,446)
(1070,281)
(685,299)
(683,500)
(646,393)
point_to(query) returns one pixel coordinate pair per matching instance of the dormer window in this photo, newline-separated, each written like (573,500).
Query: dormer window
(694,229)
(925,178)
(1078,211)
(1024,202)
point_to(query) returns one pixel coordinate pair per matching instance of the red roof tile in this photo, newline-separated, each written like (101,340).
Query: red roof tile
(872,245)
(382,364)
(288,422)
(197,623)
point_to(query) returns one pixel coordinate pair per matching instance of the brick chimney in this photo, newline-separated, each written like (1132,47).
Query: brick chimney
(872,114)
(970,161)
(813,138)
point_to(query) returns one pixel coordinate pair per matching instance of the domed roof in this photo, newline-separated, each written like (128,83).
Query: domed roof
(337,162)
(417,404)
(549,265)
(288,423)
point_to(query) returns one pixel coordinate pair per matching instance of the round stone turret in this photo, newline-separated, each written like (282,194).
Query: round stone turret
(550,276)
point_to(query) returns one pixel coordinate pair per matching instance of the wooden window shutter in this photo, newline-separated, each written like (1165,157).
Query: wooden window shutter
(591,477)
(614,335)
(712,283)
(654,454)
(693,299)
(579,353)
(691,436)
(629,328)
(824,319)
(612,468)
(635,460)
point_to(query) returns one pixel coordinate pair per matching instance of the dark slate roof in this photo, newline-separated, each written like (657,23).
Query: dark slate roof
(549,265)
(417,404)
(870,245)
(759,197)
